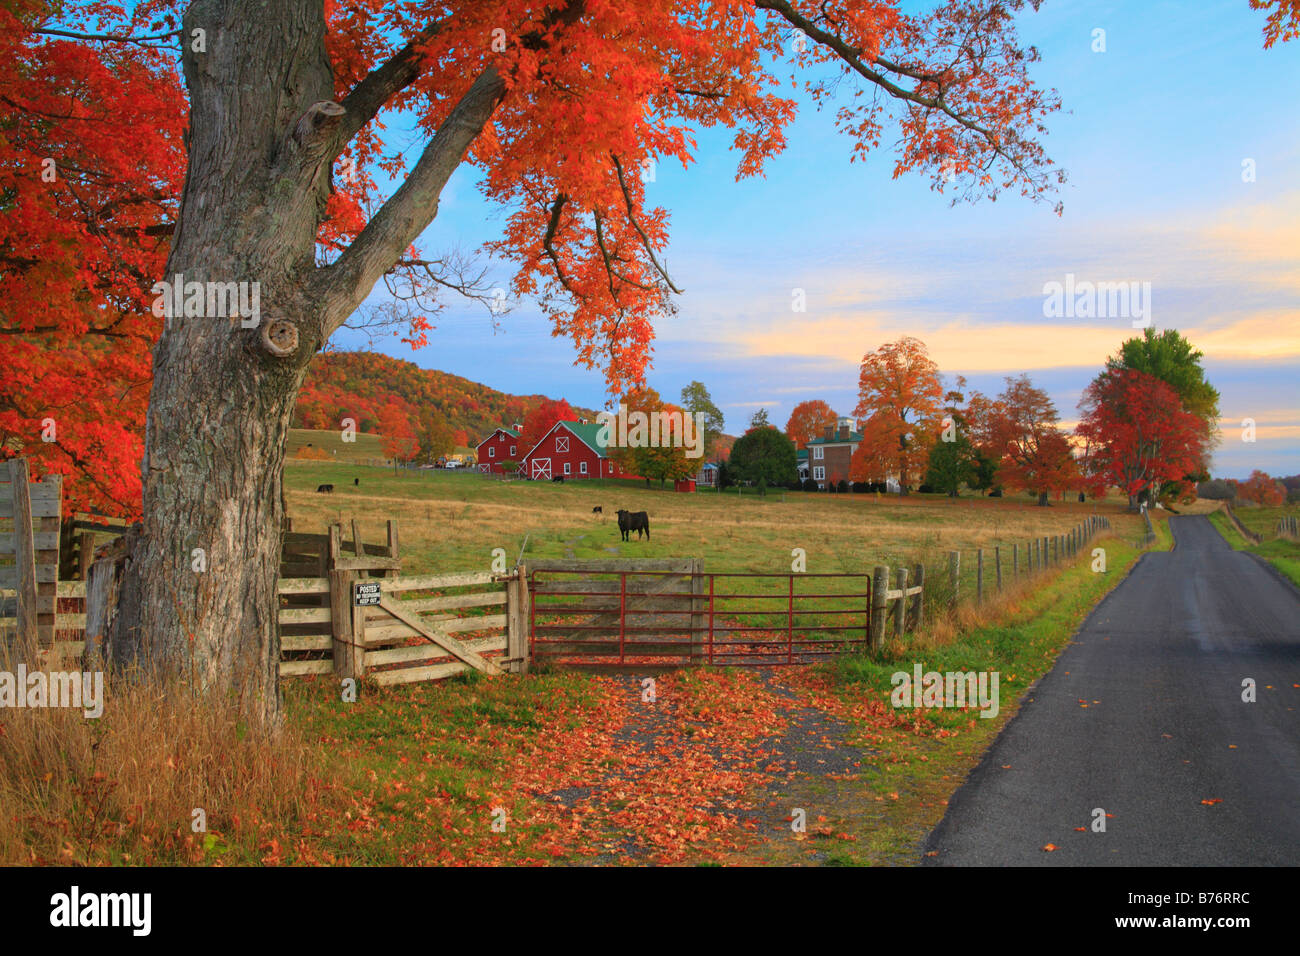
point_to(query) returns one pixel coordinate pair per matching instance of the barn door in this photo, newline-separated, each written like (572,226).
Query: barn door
(541,468)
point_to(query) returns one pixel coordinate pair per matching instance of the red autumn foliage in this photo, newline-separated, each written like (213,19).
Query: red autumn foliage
(1020,429)
(809,420)
(542,418)
(579,119)
(86,212)
(1262,489)
(397,437)
(1139,435)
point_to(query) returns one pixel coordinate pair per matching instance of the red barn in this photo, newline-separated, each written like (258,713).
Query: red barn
(501,446)
(570,450)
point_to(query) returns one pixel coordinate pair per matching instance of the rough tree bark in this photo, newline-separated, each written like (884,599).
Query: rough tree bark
(264,132)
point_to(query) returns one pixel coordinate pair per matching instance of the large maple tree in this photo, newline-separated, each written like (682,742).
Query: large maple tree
(559,105)
(809,420)
(899,396)
(1140,436)
(1022,429)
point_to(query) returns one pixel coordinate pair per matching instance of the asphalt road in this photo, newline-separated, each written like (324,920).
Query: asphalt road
(1160,664)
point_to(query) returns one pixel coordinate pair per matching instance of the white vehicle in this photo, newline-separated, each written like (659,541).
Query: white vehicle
(453,464)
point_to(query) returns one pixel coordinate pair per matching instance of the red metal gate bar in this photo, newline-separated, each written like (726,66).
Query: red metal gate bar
(789,624)
(816,639)
(532,616)
(622,612)
(710,619)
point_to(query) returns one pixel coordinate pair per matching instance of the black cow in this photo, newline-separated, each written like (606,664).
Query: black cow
(356,481)
(325,489)
(637,521)
(597,510)
(559,478)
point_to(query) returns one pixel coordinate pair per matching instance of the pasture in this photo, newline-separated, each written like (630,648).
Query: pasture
(452,521)
(366,448)
(584,770)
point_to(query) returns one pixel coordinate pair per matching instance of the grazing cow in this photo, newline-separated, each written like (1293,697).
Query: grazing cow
(559,478)
(324,489)
(637,521)
(597,510)
(356,482)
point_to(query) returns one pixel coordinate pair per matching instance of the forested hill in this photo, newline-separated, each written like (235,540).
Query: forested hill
(366,385)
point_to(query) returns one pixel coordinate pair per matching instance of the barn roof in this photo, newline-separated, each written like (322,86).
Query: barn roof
(500,428)
(587,433)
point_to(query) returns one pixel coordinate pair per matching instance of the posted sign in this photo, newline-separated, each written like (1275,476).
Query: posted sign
(365,593)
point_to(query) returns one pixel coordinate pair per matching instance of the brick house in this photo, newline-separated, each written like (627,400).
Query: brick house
(830,454)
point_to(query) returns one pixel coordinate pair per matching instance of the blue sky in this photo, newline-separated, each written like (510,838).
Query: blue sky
(1153,133)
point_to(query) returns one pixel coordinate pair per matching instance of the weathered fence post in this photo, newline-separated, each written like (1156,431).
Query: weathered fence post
(347,626)
(900,611)
(918,599)
(102,583)
(517,621)
(699,609)
(879,603)
(979,575)
(1015,560)
(24,645)
(954,574)
(997,564)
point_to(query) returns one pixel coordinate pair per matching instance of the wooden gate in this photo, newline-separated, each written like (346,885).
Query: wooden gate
(29,558)
(668,612)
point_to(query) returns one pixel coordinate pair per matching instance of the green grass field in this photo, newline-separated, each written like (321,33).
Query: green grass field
(452,521)
(463,737)
(1282,553)
(1263,521)
(365,448)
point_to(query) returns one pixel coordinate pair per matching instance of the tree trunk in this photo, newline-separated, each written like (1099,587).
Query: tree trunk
(263,136)
(223,395)
(1042,499)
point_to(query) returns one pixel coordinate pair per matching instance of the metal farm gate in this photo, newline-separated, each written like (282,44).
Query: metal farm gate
(671,612)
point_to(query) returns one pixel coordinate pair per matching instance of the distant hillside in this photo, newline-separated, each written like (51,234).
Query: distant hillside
(330,442)
(360,384)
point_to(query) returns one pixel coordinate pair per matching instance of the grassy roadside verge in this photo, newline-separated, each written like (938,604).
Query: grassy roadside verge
(1279,552)
(881,816)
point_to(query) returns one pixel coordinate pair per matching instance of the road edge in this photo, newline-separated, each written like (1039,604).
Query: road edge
(929,846)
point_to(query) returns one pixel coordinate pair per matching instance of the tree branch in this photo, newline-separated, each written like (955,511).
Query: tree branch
(369,96)
(108,37)
(645,240)
(397,224)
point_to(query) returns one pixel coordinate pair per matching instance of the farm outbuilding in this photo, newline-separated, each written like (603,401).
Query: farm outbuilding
(503,445)
(570,450)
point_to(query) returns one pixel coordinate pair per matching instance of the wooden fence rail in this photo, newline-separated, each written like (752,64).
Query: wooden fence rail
(1040,554)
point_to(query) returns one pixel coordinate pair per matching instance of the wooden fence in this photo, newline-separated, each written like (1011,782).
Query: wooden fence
(405,628)
(29,552)
(1241,528)
(1288,527)
(1039,554)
